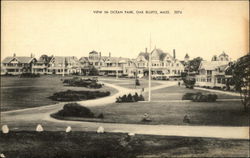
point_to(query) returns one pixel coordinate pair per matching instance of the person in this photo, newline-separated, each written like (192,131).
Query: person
(179,83)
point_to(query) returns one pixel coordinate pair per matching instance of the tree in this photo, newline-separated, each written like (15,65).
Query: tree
(193,65)
(93,71)
(240,71)
(45,58)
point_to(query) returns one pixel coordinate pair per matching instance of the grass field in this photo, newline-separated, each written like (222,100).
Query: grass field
(163,111)
(115,145)
(18,93)
(176,93)
(172,113)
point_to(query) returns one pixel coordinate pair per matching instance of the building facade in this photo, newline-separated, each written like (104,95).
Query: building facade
(163,65)
(17,65)
(212,73)
(64,65)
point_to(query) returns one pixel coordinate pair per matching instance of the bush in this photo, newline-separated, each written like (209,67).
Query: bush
(79,82)
(101,116)
(129,98)
(31,75)
(70,95)
(199,97)
(75,110)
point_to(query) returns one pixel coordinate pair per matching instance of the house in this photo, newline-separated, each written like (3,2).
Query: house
(163,64)
(107,65)
(64,65)
(17,65)
(212,73)
(41,65)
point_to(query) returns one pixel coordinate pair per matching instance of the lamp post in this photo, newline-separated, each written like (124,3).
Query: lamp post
(149,78)
(117,68)
(63,66)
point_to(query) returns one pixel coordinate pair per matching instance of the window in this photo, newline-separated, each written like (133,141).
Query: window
(218,80)
(209,72)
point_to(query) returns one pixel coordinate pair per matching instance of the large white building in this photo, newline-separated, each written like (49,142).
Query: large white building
(212,73)
(163,65)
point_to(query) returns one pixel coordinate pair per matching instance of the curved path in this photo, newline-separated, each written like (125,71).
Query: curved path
(26,119)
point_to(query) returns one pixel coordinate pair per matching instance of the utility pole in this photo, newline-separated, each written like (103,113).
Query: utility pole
(117,68)
(149,71)
(63,66)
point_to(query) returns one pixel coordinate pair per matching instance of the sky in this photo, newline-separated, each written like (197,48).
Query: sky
(64,28)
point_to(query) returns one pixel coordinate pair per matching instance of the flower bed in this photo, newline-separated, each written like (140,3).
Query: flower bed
(70,95)
(199,97)
(79,82)
(75,110)
(130,98)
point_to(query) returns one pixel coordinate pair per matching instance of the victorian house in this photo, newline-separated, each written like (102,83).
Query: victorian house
(163,65)
(17,65)
(212,73)
(64,65)
(107,65)
(41,65)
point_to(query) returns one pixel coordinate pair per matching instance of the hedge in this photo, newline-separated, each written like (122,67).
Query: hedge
(199,97)
(70,95)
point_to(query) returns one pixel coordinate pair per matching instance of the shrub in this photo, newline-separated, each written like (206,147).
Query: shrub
(199,97)
(101,116)
(70,95)
(79,82)
(75,110)
(29,75)
(129,98)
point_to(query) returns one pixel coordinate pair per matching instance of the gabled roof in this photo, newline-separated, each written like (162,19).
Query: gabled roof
(93,52)
(62,59)
(145,55)
(157,54)
(21,59)
(84,59)
(212,65)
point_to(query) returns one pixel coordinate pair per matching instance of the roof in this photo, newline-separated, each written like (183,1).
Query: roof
(157,54)
(84,59)
(21,59)
(66,59)
(144,54)
(93,52)
(212,65)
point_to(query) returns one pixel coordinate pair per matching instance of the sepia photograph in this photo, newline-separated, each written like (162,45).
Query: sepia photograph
(124,79)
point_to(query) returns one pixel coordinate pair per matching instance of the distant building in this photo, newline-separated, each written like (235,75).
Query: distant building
(212,73)
(163,64)
(17,65)
(107,65)
(64,65)
(41,65)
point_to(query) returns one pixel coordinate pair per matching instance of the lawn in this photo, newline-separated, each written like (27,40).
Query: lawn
(176,93)
(164,109)
(172,113)
(19,93)
(113,145)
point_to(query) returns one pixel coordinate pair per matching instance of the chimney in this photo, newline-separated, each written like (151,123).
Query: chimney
(14,55)
(109,54)
(100,54)
(174,54)
(146,50)
(31,55)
